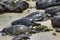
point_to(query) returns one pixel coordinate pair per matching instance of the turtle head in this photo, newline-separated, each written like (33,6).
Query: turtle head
(3,32)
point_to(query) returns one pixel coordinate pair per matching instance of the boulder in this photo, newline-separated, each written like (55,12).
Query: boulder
(43,4)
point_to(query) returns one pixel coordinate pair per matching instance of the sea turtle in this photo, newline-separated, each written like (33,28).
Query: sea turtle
(30,19)
(15,30)
(21,29)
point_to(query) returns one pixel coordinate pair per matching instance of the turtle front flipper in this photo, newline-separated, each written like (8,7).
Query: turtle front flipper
(4,32)
(21,37)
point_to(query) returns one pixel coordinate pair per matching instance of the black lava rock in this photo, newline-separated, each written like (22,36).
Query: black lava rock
(56,21)
(21,6)
(10,6)
(53,10)
(43,4)
(57,30)
(7,5)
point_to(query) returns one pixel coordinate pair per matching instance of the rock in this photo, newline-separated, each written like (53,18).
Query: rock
(56,21)
(10,6)
(43,4)
(54,34)
(53,10)
(1,8)
(21,6)
(57,30)
(7,4)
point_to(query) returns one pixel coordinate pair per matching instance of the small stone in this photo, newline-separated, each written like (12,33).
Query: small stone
(54,34)
(57,30)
